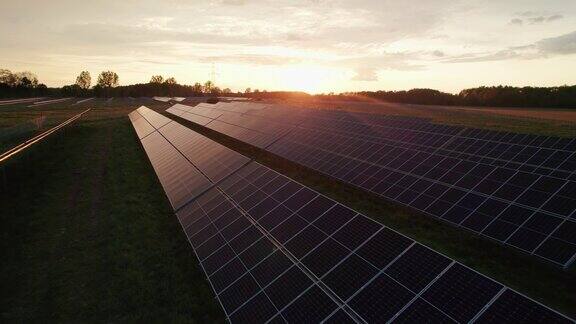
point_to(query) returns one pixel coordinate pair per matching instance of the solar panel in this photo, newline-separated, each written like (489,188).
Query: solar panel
(186,163)
(474,179)
(180,179)
(155,119)
(140,124)
(227,120)
(275,250)
(342,266)
(214,160)
(452,189)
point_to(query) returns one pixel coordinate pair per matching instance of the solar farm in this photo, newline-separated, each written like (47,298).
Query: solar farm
(265,212)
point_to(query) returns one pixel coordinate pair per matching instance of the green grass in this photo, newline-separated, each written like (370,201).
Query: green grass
(514,124)
(538,279)
(88,236)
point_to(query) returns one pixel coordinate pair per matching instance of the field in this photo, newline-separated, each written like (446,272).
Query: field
(90,236)
(548,122)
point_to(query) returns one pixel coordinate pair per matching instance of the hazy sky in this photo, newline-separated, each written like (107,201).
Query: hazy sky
(312,45)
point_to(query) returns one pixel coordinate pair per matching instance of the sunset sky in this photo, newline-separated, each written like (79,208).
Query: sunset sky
(310,45)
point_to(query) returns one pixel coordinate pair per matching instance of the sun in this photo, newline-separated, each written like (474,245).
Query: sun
(308,78)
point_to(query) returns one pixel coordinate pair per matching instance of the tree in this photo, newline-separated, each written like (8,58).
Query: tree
(156,79)
(170,80)
(25,83)
(83,80)
(197,88)
(26,79)
(7,77)
(108,79)
(248,90)
(71,90)
(226,91)
(208,85)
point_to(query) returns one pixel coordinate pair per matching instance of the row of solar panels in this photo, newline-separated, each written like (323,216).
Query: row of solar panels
(168,99)
(552,156)
(277,251)
(533,212)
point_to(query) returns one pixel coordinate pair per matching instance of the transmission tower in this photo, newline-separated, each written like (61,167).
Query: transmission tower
(213,74)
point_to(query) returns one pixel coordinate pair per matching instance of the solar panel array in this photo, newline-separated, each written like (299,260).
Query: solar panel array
(514,188)
(277,251)
(177,153)
(260,132)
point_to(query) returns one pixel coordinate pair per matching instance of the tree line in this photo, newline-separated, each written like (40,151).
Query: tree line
(498,96)
(20,84)
(108,86)
(25,84)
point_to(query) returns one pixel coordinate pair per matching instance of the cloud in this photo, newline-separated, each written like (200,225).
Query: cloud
(561,45)
(506,54)
(366,67)
(105,34)
(554,17)
(251,59)
(516,21)
(234,2)
(534,18)
(365,74)
(553,46)
(438,53)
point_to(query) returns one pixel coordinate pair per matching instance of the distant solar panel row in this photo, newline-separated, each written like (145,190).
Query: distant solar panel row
(514,151)
(514,205)
(255,132)
(277,251)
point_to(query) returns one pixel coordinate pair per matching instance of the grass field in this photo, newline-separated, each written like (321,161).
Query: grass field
(548,122)
(89,235)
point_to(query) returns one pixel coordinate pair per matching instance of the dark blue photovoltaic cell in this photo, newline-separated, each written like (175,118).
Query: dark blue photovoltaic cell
(270,268)
(511,307)
(461,293)
(349,276)
(258,310)
(417,267)
(422,312)
(313,306)
(334,218)
(324,257)
(238,293)
(384,247)
(288,286)
(381,299)
(305,241)
(339,317)
(356,232)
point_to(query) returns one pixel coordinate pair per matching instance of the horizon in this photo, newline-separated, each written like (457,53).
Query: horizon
(309,46)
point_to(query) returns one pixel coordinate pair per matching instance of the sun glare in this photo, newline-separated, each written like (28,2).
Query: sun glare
(307,78)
